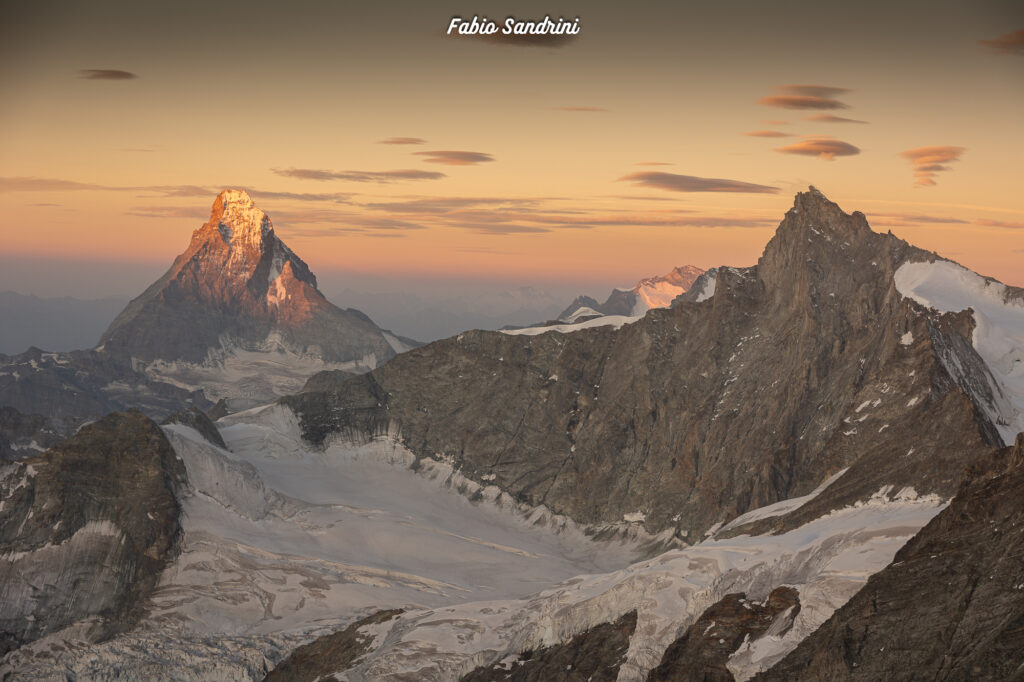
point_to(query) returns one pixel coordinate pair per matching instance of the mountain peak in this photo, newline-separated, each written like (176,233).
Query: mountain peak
(238,218)
(237,285)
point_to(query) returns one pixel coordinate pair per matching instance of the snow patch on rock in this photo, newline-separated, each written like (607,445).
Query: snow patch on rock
(998,332)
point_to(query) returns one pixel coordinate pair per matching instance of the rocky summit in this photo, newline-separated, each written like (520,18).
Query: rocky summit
(808,365)
(237,285)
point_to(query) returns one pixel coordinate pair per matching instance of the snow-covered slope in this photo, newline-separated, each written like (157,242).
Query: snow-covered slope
(288,536)
(998,333)
(659,292)
(281,541)
(602,321)
(634,301)
(827,561)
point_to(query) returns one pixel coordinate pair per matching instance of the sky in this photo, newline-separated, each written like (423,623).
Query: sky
(383,149)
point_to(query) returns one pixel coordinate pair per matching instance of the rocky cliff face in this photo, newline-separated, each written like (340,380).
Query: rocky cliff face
(805,365)
(85,530)
(24,435)
(592,656)
(949,607)
(238,285)
(65,388)
(701,654)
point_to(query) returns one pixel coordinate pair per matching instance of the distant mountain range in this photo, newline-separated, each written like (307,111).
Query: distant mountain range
(55,323)
(653,292)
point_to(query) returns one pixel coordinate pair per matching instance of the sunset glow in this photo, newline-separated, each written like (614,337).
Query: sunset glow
(379,144)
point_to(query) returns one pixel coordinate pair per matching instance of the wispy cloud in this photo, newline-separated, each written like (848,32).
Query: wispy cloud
(928,162)
(584,109)
(30,184)
(1011,43)
(358,176)
(806,97)
(402,140)
(652,163)
(335,197)
(689,183)
(106,75)
(455,158)
(831,118)
(912,219)
(438,205)
(984,222)
(825,148)
(767,133)
(33,184)
(195,212)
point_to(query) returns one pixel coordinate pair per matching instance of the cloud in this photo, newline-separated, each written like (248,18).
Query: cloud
(805,97)
(169,212)
(801,102)
(32,184)
(767,133)
(536,215)
(825,148)
(358,176)
(438,205)
(930,161)
(689,183)
(455,158)
(1011,43)
(23,184)
(402,140)
(178,190)
(106,74)
(652,163)
(775,122)
(831,118)
(906,219)
(999,223)
(260,194)
(587,109)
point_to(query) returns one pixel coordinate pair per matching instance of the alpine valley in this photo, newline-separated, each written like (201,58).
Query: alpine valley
(807,469)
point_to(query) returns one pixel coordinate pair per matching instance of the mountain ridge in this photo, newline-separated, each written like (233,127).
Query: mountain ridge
(834,343)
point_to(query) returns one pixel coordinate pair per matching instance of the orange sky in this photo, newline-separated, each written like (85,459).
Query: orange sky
(293,103)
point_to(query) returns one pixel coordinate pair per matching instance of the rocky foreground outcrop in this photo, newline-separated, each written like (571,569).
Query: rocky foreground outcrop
(949,607)
(702,652)
(803,366)
(85,530)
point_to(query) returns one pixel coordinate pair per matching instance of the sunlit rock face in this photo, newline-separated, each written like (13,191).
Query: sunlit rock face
(238,285)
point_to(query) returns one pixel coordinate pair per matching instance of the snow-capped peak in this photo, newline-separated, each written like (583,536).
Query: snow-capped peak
(239,220)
